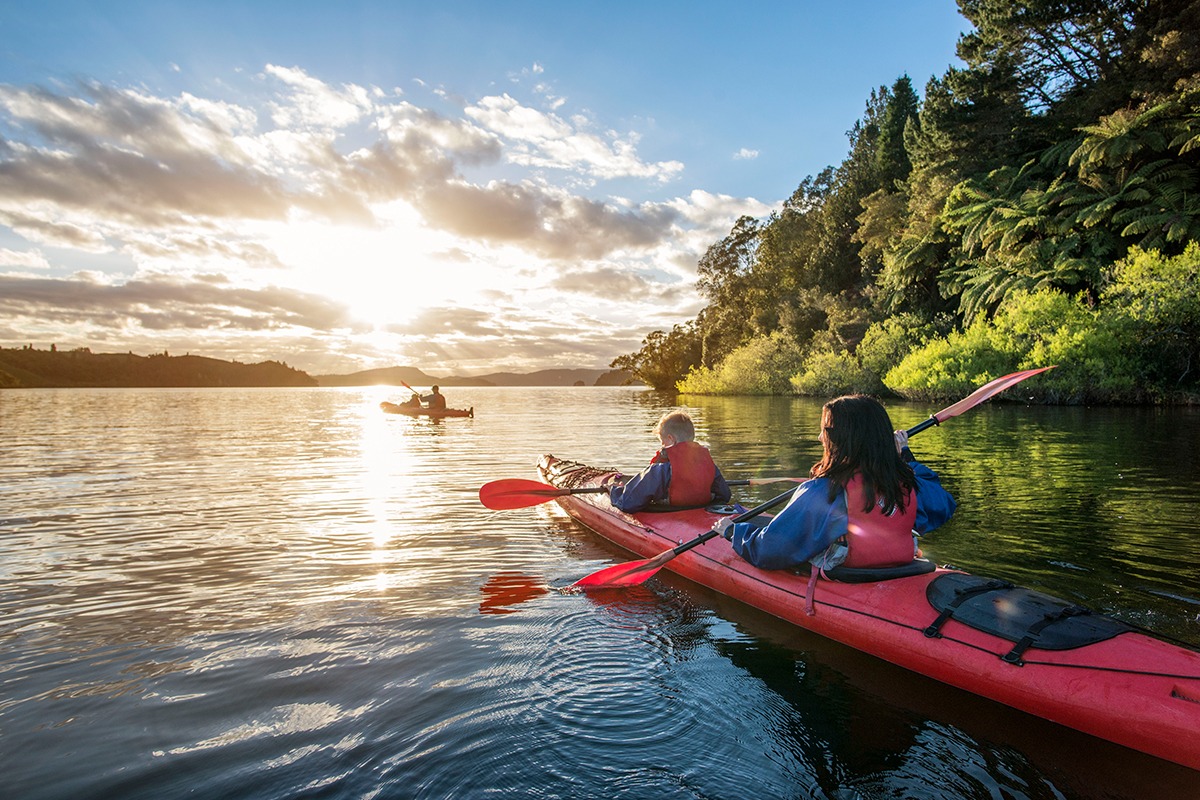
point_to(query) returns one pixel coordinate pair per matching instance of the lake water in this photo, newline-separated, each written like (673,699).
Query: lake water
(282,593)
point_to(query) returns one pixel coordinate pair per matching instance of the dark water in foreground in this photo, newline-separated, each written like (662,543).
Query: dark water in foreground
(287,593)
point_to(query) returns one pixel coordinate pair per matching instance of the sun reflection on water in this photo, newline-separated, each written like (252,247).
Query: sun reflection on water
(385,456)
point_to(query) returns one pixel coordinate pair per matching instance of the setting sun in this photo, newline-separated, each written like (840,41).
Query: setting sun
(385,274)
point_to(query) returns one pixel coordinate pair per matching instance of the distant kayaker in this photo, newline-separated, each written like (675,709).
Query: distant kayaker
(681,474)
(867,499)
(435,399)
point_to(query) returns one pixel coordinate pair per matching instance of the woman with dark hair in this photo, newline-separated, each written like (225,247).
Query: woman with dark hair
(866,501)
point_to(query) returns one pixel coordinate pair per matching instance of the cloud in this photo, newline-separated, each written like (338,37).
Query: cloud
(107,160)
(548,223)
(548,141)
(43,230)
(745,154)
(28,259)
(161,302)
(196,199)
(312,103)
(513,337)
(120,158)
(605,282)
(450,321)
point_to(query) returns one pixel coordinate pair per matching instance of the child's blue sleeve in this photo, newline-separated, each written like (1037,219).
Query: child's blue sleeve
(641,490)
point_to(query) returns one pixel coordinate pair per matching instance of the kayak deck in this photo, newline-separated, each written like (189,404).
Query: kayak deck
(1131,688)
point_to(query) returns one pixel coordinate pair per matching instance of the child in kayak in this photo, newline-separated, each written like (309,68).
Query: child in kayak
(681,474)
(866,503)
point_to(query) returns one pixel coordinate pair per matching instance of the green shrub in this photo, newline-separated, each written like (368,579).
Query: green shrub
(1097,354)
(886,343)
(761,366)
(1158,299)
(828,374)
(950,366)
(701,380)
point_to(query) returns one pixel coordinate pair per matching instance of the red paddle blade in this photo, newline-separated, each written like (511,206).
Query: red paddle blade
(986,391)
(517,493)
(631,573)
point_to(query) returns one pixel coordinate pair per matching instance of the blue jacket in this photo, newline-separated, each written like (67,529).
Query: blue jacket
(810,522)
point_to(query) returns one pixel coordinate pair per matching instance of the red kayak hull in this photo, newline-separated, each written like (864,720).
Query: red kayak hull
(1133,689)
(417,411)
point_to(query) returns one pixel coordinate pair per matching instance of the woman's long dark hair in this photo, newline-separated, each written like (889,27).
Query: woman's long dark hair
(859,439)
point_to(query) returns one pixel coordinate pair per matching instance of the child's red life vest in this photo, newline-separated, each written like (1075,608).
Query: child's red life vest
(692,473)
(873,538)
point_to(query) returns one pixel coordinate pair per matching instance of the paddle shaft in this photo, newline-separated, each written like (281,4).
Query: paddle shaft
(751,514)
(596,489)
(929,423)
(743,482)
(520,493)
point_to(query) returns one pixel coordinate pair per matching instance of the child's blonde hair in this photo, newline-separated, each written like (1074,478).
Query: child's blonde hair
(677,424)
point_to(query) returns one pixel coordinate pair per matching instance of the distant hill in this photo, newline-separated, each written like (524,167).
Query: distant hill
(26,367)
(387,376)
(29,368)
(396,376)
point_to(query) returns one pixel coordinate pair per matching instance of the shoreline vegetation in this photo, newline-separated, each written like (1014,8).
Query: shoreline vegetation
(29,368)
(1037,206)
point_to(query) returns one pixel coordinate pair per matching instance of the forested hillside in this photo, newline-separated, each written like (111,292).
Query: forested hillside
(1039,205)
(27,367)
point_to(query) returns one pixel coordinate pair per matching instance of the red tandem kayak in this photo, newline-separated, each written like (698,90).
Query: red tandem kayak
(1013,645)
(418,411)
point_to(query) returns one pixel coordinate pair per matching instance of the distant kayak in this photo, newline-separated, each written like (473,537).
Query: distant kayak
(418,411)
(1023,648)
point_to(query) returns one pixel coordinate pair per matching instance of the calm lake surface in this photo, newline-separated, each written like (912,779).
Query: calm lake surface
(281,593)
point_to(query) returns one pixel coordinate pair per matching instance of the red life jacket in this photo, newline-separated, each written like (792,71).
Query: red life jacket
(692,473)
(873,538)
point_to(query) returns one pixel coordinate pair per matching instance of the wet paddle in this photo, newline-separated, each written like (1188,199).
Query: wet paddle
(632,573)
(519,493)
(511,493)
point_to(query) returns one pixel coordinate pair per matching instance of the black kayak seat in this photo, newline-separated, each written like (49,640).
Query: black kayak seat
(843,574)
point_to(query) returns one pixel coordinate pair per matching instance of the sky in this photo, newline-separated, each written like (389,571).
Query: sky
(464,187)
